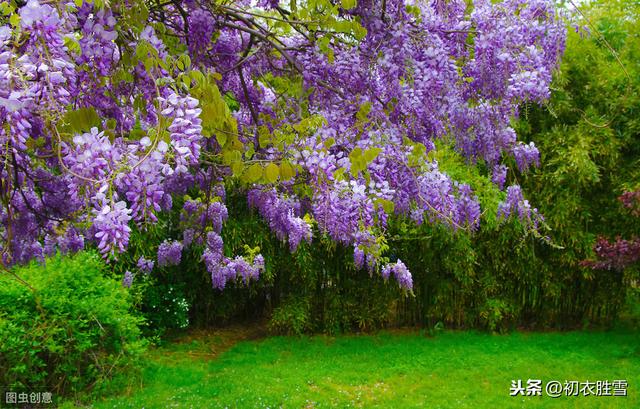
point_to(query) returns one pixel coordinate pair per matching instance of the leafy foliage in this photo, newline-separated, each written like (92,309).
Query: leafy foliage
(72,331)
(588,137)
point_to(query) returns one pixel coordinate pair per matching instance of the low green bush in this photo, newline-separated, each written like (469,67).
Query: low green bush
(292,317)
(163,307)
(71,330)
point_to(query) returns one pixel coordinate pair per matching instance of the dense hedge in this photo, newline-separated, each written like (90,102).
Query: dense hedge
(72,330)
(493,279)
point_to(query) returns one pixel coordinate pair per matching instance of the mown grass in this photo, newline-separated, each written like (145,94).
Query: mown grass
(390,370)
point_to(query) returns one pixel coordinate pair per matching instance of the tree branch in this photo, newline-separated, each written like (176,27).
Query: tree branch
(266,38)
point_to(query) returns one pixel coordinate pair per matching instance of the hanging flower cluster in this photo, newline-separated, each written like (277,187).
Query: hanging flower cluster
(111,110)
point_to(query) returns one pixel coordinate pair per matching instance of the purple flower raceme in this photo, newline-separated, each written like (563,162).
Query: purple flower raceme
(97,44)
(169,253)
(196,214)
(223,269)
(526,155)
(258,263)
(400,272)
(127,280)
(35,14)
(69,242)
(358,257)
(499,175)
(201,28)
(146,266)
(186,129)
(148,34)
(468,208)
(111,224)
(91,159)
(281,214)
(365,249)
(516,205)
(268,4)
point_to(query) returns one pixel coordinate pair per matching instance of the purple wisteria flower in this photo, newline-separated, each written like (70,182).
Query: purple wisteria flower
(186,129)
(401,273)
(169,253)
(281,214)
(516,205)
(127,280)
(356,152)
(526,155)
(112,228)
(201,28)
(223,269)
(146,266)
(468,208)
(499,175)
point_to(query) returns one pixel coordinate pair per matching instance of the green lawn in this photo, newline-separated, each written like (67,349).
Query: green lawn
(390,370)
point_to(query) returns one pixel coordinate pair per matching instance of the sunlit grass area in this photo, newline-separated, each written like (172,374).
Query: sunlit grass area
(390,369)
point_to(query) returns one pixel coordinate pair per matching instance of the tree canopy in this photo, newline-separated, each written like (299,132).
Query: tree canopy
(328,115)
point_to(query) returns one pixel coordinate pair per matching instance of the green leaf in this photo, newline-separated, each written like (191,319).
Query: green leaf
(253,173)
(359,31)
(221,137)
(357,161)
(286,171)
(197,76)
(248,154)
(81,120)
(162,63)
(186,80)
(387,205)
(329,143)
(349,4)
(137,133)
(271,173)
(371,153)
(14,20)
(264,136)
(323,43)
(185,61)
(237,168)
(142,49)
(150,63)
(6,8)
(363,112)
(72,44)
(231,156)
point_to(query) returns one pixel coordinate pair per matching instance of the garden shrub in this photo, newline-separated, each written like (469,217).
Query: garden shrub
(72,330)
(292,317)
(164,308)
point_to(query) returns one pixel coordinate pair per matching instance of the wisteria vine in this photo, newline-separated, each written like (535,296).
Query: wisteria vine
(326,113)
